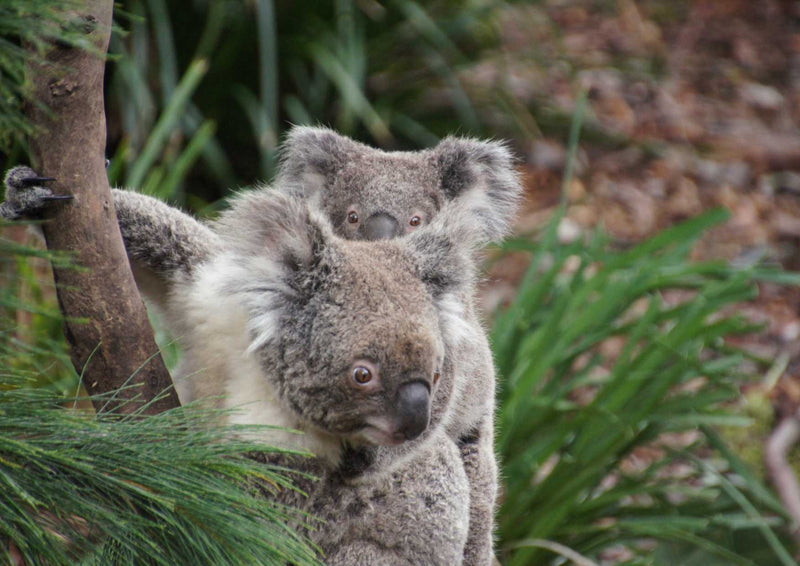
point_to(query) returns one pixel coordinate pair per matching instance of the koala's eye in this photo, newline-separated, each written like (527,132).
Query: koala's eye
(436,376)
(362,375)
(352,217)
(415,220)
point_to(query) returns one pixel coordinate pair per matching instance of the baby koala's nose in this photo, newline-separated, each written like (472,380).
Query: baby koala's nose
(381,226)
(414,408)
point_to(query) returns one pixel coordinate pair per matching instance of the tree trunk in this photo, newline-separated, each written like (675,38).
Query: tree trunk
(106,323)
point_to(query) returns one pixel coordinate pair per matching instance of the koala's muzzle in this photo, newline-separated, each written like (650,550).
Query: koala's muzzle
(414,408)
(381,226)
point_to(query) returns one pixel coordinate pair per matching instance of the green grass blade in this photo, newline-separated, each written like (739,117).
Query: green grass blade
(167,122)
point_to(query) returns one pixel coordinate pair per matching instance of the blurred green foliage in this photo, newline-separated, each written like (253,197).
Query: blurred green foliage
(31,340)
(387,73)
(36,24)
(602,353)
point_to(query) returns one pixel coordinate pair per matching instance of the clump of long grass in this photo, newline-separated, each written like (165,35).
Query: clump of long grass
(576,418)
(617,366)
(164,489)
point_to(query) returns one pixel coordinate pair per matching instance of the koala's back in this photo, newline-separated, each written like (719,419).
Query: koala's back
(416,514)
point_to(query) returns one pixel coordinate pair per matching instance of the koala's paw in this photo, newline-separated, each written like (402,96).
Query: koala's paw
(25,195)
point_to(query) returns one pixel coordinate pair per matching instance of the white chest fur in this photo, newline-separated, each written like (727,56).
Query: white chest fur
(220,364)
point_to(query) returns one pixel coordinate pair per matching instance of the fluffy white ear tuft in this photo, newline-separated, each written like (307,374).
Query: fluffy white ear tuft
(311,157)
(480,176)
(274,242)
(279,227)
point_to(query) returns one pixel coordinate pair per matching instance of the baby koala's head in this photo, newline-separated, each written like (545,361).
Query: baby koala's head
(369,194)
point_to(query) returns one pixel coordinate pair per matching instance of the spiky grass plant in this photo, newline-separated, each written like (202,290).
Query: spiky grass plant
(617,365)
(615,372)
(76,488)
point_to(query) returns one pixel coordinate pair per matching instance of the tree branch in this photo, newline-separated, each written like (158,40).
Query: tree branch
(113,345)
(782,439)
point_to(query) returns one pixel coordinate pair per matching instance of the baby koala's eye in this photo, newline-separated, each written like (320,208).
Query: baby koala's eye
(436,376)
(352,217)
(415,220)
(362,375)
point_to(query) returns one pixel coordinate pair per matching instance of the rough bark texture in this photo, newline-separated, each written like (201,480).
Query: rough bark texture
(114,341)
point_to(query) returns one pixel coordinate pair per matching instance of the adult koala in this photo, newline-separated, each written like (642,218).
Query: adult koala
(350,342)
(369,194)
(366,194)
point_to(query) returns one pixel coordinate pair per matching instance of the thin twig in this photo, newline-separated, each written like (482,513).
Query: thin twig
(785,435)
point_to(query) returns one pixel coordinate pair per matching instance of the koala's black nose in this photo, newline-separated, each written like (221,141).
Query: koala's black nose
(414,408)
(381,226)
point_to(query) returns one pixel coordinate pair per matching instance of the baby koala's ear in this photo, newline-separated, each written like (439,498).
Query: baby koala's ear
(480,176)
(311,157)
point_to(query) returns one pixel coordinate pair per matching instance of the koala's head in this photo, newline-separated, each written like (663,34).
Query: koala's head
(353,336)
(369,194)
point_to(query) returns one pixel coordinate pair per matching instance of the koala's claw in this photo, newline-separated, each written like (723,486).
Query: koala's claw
(25,197)
(33,181)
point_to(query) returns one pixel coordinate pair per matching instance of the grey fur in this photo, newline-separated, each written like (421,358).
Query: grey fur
(164,245)
(340,175)
(383,509)
(299,307)
(460,185)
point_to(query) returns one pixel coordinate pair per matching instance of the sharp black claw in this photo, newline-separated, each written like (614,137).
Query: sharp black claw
(31,181)
(57,197)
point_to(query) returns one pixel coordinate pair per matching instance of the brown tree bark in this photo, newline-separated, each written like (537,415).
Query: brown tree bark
(113,344)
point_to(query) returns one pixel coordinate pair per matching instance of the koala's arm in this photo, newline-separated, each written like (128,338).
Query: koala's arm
(164,245)
(480,465)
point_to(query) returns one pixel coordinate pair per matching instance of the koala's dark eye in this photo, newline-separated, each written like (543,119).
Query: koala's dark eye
(352,217)
(415,220)
(362,375)
(436,376)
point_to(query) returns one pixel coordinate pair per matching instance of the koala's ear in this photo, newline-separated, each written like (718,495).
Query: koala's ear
(480,176)
(311,158)
(277,226)
(443,251)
